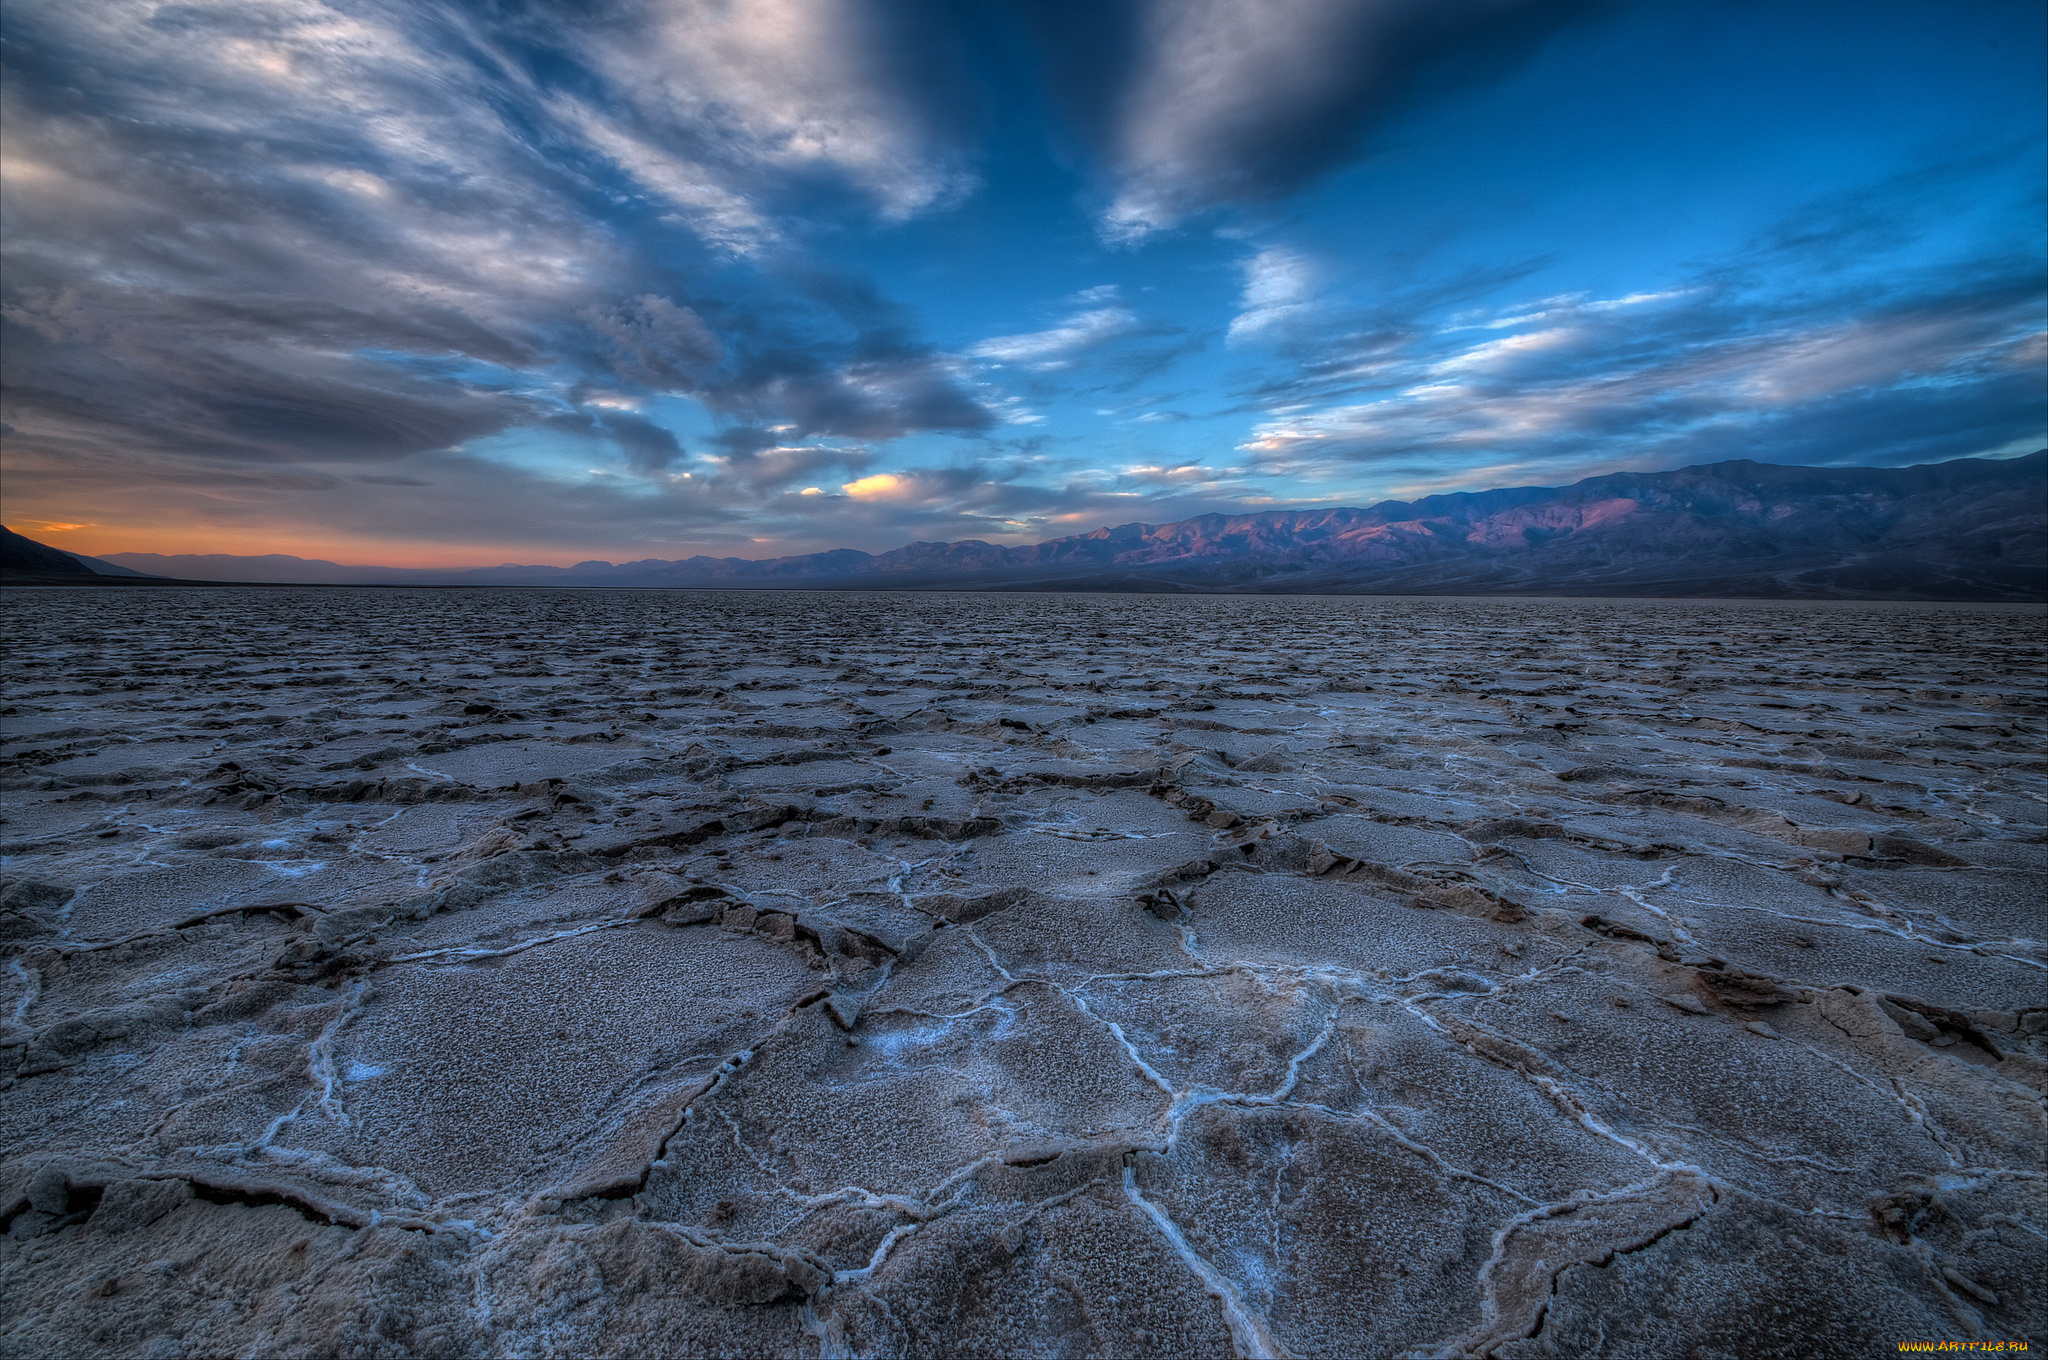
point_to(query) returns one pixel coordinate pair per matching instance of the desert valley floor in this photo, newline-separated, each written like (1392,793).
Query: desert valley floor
(647,973)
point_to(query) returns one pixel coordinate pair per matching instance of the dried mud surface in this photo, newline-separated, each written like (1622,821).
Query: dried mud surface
(541,974)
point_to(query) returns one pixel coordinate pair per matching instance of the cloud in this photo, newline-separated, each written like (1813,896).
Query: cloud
(157,387)
(1601,386)
(285,231)
(1911,343)
(462,272)
(1054,348)
(875,400)
(1277,285)
(648,447)
(721,216)
(1180,476)
(475,501)
(727,98)
(881,486)
(1198,104)
(772,468)
(987,500)
(658,344)
(1576,304)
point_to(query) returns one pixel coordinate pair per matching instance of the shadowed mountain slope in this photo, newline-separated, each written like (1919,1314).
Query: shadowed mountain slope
(19,554)
(25,562)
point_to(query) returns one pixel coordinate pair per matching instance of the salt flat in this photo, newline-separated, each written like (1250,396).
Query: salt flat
(529,973)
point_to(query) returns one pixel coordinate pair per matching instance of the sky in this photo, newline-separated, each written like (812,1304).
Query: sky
(428,283)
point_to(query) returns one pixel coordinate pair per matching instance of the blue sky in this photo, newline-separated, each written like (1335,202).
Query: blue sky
(435,283)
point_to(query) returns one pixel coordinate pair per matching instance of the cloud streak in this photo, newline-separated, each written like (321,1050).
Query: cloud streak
(1057,347)
(1680,378)
(1196,105)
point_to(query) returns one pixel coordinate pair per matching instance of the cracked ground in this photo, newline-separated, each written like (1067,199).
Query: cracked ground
(644,973)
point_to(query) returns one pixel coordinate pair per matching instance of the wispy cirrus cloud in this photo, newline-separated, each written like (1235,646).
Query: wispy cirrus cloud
(731,103)
(1688,376)
(1058,346)
(1279,285)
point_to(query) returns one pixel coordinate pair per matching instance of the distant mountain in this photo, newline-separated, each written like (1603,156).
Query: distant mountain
(1972,529)
(275,568)
(100,566)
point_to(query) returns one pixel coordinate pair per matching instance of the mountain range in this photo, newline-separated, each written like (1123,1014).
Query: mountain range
(1972,528)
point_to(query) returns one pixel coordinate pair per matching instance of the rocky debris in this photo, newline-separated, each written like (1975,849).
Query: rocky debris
(535,973)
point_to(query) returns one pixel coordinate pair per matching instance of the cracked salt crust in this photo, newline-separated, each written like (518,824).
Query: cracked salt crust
(941,975)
